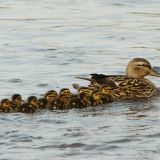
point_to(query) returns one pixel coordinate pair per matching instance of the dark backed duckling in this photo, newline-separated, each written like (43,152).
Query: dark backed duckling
(6,106)
(74,102)
(31,106)
(61,102)
(132,84)
(85,99)
(16,102)
(48,97)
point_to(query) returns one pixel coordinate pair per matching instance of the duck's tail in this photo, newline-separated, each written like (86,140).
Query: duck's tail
(76,86)
(88,79)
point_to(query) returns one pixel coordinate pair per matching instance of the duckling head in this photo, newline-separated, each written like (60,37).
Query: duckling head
(96,95)
(32,100)
(65,92)
(6,104)
(139,68)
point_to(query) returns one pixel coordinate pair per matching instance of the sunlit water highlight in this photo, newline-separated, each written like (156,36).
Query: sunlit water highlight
(45,44)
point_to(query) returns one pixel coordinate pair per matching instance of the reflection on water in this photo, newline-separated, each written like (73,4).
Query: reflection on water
(44,45)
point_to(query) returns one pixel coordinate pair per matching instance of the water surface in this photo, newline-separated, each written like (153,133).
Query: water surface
(45,44)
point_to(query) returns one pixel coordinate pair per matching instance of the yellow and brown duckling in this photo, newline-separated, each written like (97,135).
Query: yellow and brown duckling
(6,106)
(107,93)
(132,84)
(51,94)
(60,103)
(31,106)
(16,102)
(48,97)
(83,89)
(85,99)
(96,98)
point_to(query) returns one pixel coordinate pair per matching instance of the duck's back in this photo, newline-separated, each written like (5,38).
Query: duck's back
(128,87)
(133,88)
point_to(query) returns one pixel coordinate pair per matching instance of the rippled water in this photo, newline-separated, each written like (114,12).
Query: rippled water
(44,44)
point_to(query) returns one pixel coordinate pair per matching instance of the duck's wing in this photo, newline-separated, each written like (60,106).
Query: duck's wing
(101,79)
(103,76)
(105,79)
(134,88)
(99,76)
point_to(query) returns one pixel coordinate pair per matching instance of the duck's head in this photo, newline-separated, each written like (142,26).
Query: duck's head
(139,68)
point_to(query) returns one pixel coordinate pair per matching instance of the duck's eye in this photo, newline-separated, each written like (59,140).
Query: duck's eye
(144,65)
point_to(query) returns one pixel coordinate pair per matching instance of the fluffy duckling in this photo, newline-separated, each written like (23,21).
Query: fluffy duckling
(16,102)
(83,89)
(96,98)
(6,106)
(31,106)
(74,102)
(85,99)
(107,94)
(60,103)
(48,97)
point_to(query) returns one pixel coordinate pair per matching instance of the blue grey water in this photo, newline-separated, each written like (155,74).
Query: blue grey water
(44,44)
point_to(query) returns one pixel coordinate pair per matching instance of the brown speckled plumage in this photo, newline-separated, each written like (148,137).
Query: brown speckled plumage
(132,84)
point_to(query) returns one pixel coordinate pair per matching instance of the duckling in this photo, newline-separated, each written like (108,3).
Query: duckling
(96,98)
(64,97)
(107,94)
(65,91)
(31,106)
(83,89)
(85,99)
(6,106)
(16,102)
(74,102)
(48,97)
(52,94)
(61,101)
(132,84)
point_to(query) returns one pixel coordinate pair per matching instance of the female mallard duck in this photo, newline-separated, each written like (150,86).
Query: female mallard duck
(132,84)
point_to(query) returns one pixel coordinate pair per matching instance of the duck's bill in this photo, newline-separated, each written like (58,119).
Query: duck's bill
(154,73)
